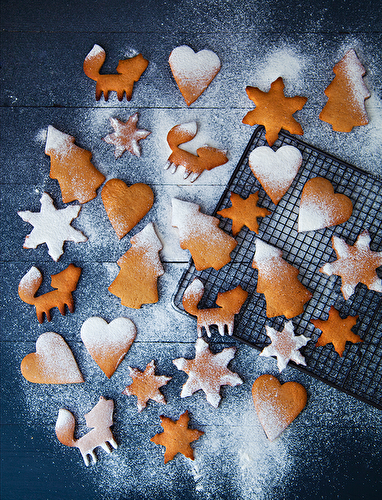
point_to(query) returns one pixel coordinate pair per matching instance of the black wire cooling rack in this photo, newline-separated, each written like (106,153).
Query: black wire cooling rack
(359,371)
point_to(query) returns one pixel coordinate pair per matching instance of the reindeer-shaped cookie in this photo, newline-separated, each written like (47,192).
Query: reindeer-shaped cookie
(230,304)
(100,418)
(129,71)
(64,283)
(206,158)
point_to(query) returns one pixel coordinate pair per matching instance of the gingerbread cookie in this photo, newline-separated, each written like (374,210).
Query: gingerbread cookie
(206,157)
(108,343)
(208,372)
(274,110)
(345,108)
(355,264)
(336,330)
(126,136)
(52,363)
(52,226)
(277,280)
(275,170)
(277,405)
(229,303)
(320,207)
(146,385)
(126,206)
(64,283)
(177,437)
(193,72)
(71,166)
(129,71)
(136,283)
(209,245)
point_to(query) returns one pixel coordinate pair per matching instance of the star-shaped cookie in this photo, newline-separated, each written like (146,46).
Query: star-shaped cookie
(52,226)
(274,110)
(355,264)
(208,372)
(285,346)
(126,136)
(146,385)
(336,330)
(244,212)
(176,437)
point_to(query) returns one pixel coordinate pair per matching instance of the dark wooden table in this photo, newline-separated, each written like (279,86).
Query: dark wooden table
(333,450)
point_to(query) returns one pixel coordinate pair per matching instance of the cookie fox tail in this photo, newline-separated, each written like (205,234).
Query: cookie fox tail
(65,426)
(192,296)
(93,62)
(29,284)
(180,134)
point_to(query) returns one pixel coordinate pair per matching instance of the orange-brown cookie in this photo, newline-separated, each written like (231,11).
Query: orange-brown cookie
(126,136)
(71,166)
(244,212)
(52,363)
(146,385)
(177,437)
(277,280)
(136,283)
(274,110)
(206,158)
(320,207)
(277,405)
(64,283)
(336,331)
(129,71)
(345,108)
(100,418)
(209,245)
(108,343)
(193,72)
(229,303)
(355,264)
(126,206)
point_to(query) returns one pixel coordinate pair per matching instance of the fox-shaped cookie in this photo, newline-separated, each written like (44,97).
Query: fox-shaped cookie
(100,418)
(206,158)
(129,71)
(64,283)
(229,303)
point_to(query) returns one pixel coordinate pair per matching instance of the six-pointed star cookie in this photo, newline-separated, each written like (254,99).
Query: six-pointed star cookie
(126,136)
(52,226)
(146,385)
(355,264)
(274,110)
(208,372)
(285,346)
(176,437)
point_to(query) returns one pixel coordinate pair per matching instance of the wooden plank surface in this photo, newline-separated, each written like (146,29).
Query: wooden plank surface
(332,450)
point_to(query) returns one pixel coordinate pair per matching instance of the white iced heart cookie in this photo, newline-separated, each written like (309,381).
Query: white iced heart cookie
(193,72)
(275,170)
(108,343)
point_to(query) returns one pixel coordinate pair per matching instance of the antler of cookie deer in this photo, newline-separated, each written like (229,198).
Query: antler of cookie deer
(64,283)
(100,418)
(129,71)
(229,303)
(206,158)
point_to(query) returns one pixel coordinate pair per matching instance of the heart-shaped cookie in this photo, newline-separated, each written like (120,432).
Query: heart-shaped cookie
(126,206)
(108,343)
(277,405)
(193,72)
(52,363)
(320,207)
(275,170)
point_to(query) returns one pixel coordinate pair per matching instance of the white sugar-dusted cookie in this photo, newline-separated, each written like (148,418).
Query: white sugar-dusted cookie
(193,72)
(52,363)
(52,226)
(275,170)
(108,343)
